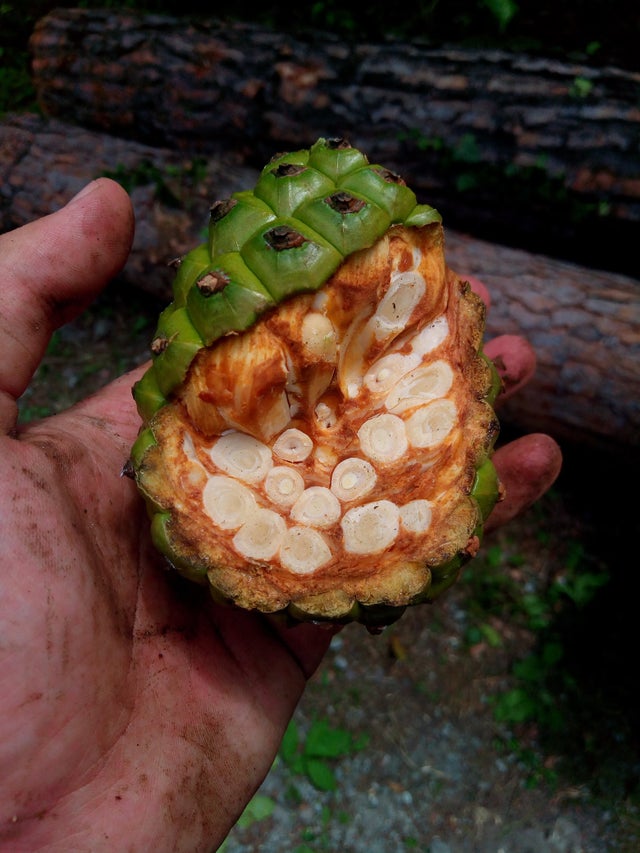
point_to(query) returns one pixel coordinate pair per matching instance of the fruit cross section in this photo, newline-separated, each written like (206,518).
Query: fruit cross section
(336,428)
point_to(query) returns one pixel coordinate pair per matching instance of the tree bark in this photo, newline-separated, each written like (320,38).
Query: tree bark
(584,324)
(524,150)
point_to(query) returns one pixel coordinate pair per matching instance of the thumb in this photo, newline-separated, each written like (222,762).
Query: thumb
(50,270)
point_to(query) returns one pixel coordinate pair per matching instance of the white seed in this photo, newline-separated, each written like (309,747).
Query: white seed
(415,516)
(355,343)
(242,456)
(383,438)
(317,506)
(276,418)
(394,310)
(304,550)
(319,337)
(319,379)
(431,336)
(283,485)
(353,479)
(293,445)
(260,537)
(431,424)
(420,386)
(325,416)
(189,449)
(295,407)
(196,472)
(370,528)
(384,373)
(320,300)
(227,502)
(196,477)
(325,457)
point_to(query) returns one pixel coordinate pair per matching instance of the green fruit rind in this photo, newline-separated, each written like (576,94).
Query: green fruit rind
(284,272)
(143,442)
(176,343)
(191,267)
(148,396)
(350,231)
(161,538)
(422,214)
(380,184)
(444,577)
(235,220)
(485,488)
(495,381)
(285,186)
(232,308)
(336,159)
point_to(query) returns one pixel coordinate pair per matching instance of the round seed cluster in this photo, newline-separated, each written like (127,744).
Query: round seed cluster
(262,498)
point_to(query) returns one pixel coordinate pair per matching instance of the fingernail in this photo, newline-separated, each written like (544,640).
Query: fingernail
(83,192)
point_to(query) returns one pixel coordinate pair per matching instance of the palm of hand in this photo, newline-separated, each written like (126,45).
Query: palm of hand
(122,685)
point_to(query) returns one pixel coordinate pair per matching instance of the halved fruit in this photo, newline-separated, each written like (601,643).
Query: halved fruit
(318,421)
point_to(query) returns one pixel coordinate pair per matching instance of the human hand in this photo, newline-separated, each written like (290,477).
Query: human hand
(136,713)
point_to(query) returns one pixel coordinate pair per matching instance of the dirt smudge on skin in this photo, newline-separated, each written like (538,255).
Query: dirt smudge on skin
(36,480)
(32,697)
(203,788)
(207,736)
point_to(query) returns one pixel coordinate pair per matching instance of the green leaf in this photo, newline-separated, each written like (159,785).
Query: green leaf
(516,706)
(494,556)
(259,808)
(320,774)
(360,742)
(467,149)
(492,636)
(552,653)
(582,588)
(502,10)
(290,741)
(326,742)
(466,181)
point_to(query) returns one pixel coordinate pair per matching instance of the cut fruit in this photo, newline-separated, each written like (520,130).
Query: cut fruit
(318,421)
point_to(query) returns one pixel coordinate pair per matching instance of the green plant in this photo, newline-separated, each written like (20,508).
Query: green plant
(313,756)
(531,699)
(462,165)
(16,89)
(173,184)
(502,10)
(581,87)
(259,808)
(544,691)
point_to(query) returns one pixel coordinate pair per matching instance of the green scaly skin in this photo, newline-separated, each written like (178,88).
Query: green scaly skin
(308,211)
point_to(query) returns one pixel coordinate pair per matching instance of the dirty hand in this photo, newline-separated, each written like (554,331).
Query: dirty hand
(135,713)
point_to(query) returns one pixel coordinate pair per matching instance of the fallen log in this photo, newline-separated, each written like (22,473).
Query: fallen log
(583,323)
(44,162)
(518,149)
